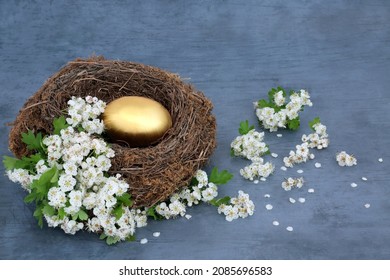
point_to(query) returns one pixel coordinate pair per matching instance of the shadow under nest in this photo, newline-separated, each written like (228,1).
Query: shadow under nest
(153,172)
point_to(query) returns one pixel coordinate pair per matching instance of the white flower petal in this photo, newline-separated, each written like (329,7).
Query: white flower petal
(269,207)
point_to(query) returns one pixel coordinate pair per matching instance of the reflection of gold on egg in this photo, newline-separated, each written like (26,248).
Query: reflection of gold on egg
(139,121)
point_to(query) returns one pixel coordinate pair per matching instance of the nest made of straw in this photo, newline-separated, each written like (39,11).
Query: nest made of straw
(153,172)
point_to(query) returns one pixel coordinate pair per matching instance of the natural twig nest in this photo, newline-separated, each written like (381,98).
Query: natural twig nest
(154,172)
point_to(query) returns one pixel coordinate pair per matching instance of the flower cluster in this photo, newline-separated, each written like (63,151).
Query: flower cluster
(202,191)
(317,140)
(344,159)
(249,145)
(238,207)
(290,183)
(79,193)
(301,154)
(85,112)
(257,169)
(275,113)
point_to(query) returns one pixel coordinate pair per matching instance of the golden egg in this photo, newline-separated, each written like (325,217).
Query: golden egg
(137,120)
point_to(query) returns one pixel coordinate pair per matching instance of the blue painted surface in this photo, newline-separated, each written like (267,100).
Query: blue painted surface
(233,51)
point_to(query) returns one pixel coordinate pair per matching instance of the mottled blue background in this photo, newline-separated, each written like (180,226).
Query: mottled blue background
(233,51)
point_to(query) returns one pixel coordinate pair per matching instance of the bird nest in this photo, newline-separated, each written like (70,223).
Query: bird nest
(153,172)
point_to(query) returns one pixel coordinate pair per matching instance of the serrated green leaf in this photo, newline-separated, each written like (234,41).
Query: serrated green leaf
(271,94)
(30,197)
(118,212)
(314,122)
(42,185)
(34,158)
(263,103)
(245,128)
(83,216)
(125,199)
(13,163)
(220,178)
(111,240)
(218,202)
(32,141)
(151,212)
(102,236)
(39,215)
(48,210)
(58,124)
(293,124)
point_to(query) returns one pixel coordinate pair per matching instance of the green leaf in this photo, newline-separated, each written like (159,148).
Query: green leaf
(151,212)
(293,124)
(232,152)
(263,103)
(130,238)
(39,215)
(102,236)
(118,212)
(218,202)
(220,178)
(54,179)
(125,199)
(59,123)
(314,122)
(42,185)
(194,182)
(30,197)
(24,163)
(48,210)
(61,213)
(33,142)
(13,163)
(271,95)
(245,128)
(83,216)
(111,240)
(34,158)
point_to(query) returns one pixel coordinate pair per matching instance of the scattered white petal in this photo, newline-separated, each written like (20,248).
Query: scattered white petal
(364,178)
(256,181)
(275,155)
(269,207)
(275,223)
(354,185)
(317,165)
(144,241)
(263,179)
(289,228)
(292,200)
(267,195)
(310,190)
(312,156)
(188,216)
(279,135)
(301,200)
(380,159)
(300,171)
(284,168)
(367,205)
(156,234)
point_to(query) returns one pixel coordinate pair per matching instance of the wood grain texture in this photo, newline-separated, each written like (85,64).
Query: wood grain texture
(233,51)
